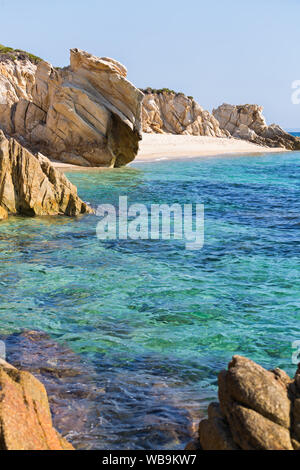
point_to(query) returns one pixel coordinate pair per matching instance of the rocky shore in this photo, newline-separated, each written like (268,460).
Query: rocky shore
(86,114)
(248,123)
(164,111)
(30,185)
(257,410)
(25,417)
(167,112)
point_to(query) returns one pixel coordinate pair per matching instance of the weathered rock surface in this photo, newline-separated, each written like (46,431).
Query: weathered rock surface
(73,393)
(25,417)
(87,113)
(247,122)
(175,113)
(258,410)
(3,213)
(30,185)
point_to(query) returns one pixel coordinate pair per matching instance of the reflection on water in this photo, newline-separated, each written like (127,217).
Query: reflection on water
(148,324)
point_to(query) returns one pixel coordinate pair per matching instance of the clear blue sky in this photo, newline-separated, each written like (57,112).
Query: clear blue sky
(216,50)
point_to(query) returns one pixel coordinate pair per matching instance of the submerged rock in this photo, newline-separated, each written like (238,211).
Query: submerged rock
(101,404)
(247,122)
(258,410)
(70,382)
(88,113)
(25,417)
(30,185)
(165,111)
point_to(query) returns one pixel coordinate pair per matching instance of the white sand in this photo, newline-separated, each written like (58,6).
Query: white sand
(167,146)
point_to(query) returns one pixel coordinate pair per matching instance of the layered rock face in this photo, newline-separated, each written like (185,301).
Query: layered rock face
(257,410)
(247,122)
(175,113)
(25,417)
(87,114)
(30,185)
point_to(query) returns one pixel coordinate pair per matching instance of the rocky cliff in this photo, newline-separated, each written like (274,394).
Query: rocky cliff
(257,410)
(25,417)
(247,122)
(87,114)
(164,111)
(30,185)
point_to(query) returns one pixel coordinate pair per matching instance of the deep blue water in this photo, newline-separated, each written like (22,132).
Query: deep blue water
(155,320)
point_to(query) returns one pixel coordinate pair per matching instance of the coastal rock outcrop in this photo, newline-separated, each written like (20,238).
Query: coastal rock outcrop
(247,122)
(164,111)
(3,213)
(30,185)
(257,410)
(25,417)
(87,114)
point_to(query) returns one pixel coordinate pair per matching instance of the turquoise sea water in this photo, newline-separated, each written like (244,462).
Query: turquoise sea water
(155,320)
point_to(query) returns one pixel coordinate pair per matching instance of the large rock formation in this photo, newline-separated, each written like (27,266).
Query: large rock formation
(247,122)
(25,416)
(86,114)
(30,185)
(165,111)
(257,410)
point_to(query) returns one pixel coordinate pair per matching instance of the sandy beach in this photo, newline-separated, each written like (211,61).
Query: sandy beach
(155,147)
(168,146)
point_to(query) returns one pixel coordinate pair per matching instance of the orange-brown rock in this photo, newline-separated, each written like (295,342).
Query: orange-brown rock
(258,410)
(25,417)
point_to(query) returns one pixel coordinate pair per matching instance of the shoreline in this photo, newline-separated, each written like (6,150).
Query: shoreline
(169,147)
(155,147)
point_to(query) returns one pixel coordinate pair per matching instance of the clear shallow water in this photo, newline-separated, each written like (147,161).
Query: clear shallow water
(157,322)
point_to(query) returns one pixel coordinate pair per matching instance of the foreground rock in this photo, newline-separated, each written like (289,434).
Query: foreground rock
(30,185)
(247,122)
(70,382)
(86,114)
(3,213)
(25,416)
(165,111)
(257,410)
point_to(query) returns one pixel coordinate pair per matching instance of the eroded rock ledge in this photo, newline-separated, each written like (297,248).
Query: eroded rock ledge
(30,185)
(165,111)
(86,114)
(247,122)
(25,417)
(257,410)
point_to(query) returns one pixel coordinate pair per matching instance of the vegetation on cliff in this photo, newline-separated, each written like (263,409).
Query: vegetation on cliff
(13,54)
